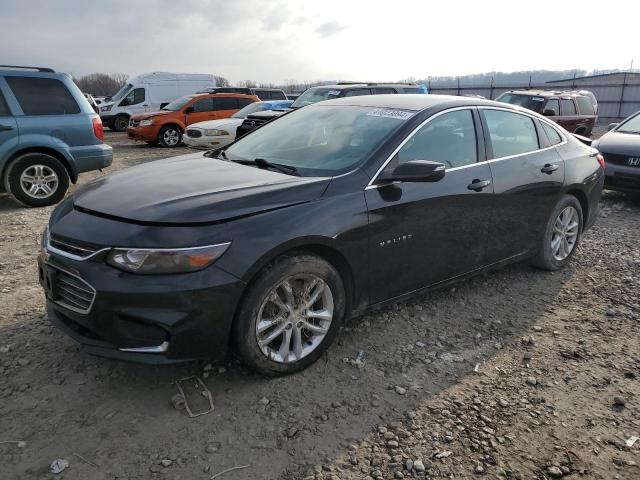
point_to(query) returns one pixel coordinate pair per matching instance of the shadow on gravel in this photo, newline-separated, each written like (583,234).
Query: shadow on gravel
(118,416)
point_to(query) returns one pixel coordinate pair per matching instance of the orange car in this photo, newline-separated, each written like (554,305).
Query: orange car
(166,126)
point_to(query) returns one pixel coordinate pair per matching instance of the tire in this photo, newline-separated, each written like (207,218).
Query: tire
(170,136)
(552,254)
(27,179)
(151,144)
(257,305)
(120,123)
(580,131)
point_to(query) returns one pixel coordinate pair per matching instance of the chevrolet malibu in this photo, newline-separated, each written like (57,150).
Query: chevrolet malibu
(267,245)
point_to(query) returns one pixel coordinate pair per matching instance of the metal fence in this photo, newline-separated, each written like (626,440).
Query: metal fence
(618,95)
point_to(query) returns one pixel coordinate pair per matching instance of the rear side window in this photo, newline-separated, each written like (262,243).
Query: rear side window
(42,96)
(510,133)
(225,104)
(4,108)
(412,90)
(243,102)
(358,92)
(567,107)
(553,105)
(382,91)
(552,134)
(585,107)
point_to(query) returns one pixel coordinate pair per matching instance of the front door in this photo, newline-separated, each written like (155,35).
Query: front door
(528,175)
(425,233)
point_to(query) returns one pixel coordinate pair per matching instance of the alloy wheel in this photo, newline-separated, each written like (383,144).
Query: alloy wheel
(294,318)
(39,181)
(565,233)
(171,137)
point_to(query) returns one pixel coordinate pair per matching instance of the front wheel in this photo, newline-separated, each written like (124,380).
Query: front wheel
(562,234)
(290,315)
(121,123)
(169,136)
(37,180)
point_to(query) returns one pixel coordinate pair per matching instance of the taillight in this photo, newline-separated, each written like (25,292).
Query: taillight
(98,129)
(600,159)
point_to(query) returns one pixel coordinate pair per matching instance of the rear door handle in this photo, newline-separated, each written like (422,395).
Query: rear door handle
(478,185)
(5,128)
(549,168)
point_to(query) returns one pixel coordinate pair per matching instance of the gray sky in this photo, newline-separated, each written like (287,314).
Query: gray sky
(277,40)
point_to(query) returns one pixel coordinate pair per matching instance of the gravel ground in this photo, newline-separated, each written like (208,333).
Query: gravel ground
(517,374)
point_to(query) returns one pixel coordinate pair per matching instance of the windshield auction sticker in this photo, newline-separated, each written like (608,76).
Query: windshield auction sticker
(390,113)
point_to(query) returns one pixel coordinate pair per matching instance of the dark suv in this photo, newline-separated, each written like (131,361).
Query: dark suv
(261,93)
(48,135)
(573,110)
(328,92)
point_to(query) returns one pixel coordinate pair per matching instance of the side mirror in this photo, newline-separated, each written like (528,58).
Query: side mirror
(415,171)
(189,110)
(612,126)
(549,113)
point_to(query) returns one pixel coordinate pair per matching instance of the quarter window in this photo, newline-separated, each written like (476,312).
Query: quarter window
(510,133)
(42,96)
(552,105)
(568,107)
(552,134)
(449,138)
(585,107)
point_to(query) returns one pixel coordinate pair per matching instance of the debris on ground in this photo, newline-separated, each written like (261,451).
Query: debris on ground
(58,465)
(192,391)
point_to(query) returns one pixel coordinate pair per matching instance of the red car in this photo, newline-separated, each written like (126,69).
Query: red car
(577,112)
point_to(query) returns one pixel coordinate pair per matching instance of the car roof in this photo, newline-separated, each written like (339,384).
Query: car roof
(416,102)
(224,95)
(547,93)
(344,86)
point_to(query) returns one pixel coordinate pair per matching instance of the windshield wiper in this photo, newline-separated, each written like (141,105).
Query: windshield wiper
(289,170)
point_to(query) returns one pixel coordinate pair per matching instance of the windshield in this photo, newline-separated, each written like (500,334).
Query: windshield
(321,140)
(178,103)
(122,92)
(315,95)
(630,126)
(531,102)
(251,108)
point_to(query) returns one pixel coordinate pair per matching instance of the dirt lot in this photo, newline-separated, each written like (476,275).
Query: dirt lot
(515,374)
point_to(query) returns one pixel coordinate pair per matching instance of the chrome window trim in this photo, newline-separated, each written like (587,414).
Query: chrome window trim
(408,137)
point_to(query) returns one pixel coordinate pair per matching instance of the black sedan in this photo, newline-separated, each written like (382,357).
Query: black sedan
(267,245)
(621,150)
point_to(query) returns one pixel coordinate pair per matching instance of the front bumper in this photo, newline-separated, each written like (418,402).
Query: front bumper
(145,134)
(207,142)
(622,178)
(146,318)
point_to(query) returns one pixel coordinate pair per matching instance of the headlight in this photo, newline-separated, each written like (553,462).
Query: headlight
(146,123)
(106,108)
(214,132)
(159,261)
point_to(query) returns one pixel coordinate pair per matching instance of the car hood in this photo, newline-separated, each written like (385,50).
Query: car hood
(194,189)
(222,123)
(619,143)
(142,116)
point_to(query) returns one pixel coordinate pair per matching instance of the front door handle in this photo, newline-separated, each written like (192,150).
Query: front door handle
(549,168)
(5,128)
(477,185)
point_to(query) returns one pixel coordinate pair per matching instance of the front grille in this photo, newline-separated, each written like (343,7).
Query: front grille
(134,123)
(78,249)
(616,159)
(250,123)
(194,133)
(72,292)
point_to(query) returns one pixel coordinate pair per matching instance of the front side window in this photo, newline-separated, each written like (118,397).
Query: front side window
(4,108)
(315,95)
(530,102)
(225,104)
(321,140)
(203,105)
(552,134)
(552,107)
(510,133)
(585,107)
(567,107)
(178,103)
(449,138)
(134,97)
(630,125)
(42,96)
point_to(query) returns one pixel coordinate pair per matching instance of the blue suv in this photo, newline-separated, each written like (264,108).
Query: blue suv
(48,135)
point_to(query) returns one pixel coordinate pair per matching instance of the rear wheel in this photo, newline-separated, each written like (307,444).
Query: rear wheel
(120,123)
(562,234)
(290,315)
(37,180)
(170,136)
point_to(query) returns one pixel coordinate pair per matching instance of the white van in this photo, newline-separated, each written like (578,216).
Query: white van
(150,92)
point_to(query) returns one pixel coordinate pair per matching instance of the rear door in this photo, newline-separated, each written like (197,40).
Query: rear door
(8,126)
(528,177)
(225,107)
(424,233)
